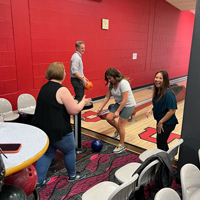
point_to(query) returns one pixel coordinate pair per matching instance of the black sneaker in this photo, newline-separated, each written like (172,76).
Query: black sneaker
(39,185)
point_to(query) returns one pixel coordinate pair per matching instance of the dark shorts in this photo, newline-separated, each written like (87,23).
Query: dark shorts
(125,113)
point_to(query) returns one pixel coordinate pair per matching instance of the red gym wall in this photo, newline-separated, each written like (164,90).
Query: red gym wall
(35,33)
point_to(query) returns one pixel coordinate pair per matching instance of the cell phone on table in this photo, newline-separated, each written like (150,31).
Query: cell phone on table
(10,147)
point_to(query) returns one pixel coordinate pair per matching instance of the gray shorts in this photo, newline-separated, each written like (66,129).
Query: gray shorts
(125,113)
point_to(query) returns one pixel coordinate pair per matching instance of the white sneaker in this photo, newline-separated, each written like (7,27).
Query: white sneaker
(116,134)
(119,148)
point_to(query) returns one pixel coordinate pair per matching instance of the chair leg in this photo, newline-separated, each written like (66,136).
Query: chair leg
(132,196)
(139,194)
(149,189)
(36,194)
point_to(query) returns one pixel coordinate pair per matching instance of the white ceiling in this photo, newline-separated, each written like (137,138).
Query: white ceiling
(184,4)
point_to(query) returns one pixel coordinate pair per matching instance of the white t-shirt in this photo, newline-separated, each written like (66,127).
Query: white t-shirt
(123,86)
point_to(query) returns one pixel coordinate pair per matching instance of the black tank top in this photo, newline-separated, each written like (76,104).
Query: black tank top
(50,116)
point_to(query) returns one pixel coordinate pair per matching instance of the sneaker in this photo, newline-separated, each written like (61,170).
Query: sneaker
(116,134)
(119,149)
(76,177)
(39,185)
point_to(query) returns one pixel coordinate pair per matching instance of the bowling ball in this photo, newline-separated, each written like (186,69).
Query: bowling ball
(97,145)
(25,179)
(110,106)
(89,86)
(12,192)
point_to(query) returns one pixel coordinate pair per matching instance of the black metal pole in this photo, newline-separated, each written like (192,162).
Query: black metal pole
(77,131)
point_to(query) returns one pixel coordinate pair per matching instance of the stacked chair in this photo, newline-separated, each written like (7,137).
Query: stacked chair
(147,174)
(190,182)
(126,175)
(7,111)
(172,151)
(26,104)
(167,194)
(108,190)
(136,175)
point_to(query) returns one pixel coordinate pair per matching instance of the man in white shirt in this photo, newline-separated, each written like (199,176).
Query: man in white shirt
(78,80)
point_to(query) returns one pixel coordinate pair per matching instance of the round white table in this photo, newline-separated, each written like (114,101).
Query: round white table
(34,144)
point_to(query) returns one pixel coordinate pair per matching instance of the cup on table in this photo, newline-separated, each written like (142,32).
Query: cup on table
(2,116)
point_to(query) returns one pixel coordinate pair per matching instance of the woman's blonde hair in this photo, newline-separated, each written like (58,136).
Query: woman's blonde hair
(55,71)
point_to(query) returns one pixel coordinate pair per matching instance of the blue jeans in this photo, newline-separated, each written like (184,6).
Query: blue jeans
(67,147)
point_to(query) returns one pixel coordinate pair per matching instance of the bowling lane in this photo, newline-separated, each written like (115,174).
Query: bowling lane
(140,133)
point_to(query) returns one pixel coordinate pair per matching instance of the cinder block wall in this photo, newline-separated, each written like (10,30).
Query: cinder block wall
(35,33)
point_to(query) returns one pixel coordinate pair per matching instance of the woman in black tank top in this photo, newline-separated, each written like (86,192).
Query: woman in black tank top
(54,106)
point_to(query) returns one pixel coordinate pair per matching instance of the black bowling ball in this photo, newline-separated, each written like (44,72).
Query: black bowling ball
(12,192)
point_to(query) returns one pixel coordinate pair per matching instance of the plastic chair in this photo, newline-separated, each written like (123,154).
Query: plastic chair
(6,109)
(166,194)
(172,151)
(108,190)
(190,180)
(26,104)
(196,195)
(124,173)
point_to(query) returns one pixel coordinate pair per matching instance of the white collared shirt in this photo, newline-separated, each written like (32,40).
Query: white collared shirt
(76,64)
